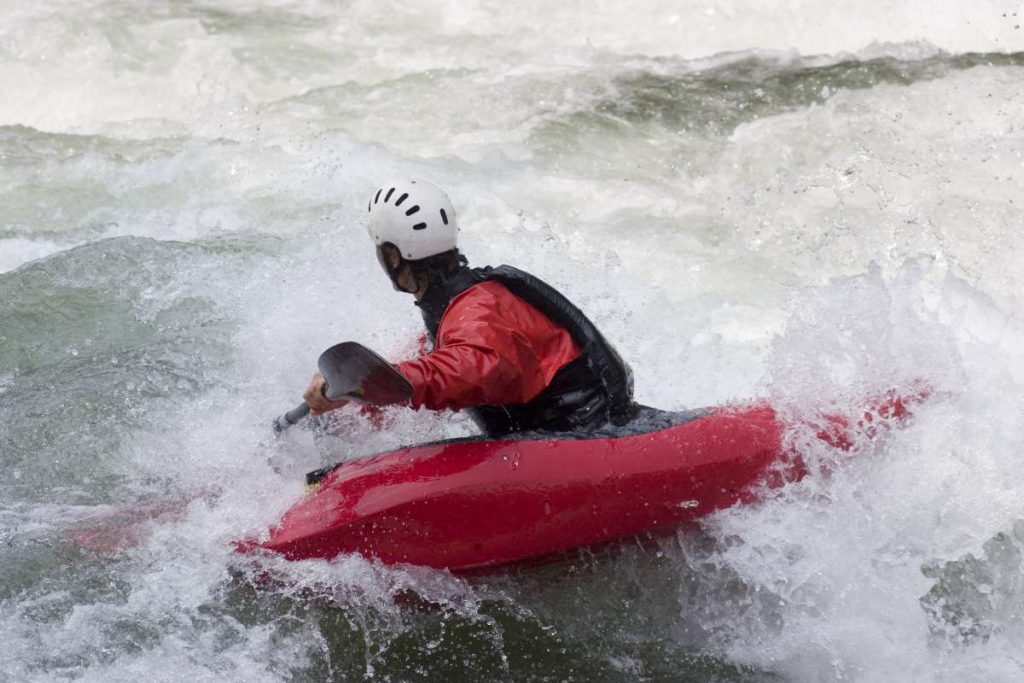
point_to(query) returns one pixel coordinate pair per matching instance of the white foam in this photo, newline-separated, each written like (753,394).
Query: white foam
(87,65)
(15,251)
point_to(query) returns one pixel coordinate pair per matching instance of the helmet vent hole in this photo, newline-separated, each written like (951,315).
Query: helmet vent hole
(402,199)
(369,206)
(412,210)
(444,217)
(377,197)
(388,195)
(420,226)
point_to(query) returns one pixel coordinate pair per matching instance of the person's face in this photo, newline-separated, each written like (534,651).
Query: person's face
(401,276)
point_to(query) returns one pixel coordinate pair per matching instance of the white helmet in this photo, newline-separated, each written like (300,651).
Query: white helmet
(415,216)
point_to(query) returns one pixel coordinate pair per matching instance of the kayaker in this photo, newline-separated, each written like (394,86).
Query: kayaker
(507,347)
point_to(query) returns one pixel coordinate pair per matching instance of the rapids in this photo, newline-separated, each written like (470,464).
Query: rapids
(800,201)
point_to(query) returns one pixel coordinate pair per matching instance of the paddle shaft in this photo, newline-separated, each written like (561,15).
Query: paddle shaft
(291,417)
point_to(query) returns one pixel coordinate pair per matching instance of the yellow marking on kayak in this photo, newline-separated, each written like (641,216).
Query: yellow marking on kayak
(309,489)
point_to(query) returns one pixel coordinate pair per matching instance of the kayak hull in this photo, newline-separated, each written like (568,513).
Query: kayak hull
(472,504)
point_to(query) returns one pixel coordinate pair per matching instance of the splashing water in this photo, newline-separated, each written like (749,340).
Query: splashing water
(798,203)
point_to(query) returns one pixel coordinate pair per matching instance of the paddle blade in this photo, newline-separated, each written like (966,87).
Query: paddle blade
(355,372)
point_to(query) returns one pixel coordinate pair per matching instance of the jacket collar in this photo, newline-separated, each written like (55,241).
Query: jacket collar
(441,292)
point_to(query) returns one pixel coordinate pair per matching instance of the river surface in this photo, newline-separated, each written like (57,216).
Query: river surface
(806,202)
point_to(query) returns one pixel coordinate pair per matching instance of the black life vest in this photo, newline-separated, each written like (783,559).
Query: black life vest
(594,389)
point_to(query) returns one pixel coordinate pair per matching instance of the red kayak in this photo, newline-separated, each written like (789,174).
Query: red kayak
(476,504)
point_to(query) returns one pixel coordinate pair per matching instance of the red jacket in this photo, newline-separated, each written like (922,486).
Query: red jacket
(492,348)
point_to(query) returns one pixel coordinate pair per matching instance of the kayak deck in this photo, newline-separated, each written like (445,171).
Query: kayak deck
(472,504)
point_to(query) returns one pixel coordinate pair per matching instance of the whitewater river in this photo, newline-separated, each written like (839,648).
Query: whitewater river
(804,201)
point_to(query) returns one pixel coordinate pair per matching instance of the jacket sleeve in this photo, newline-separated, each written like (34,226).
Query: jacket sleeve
(481,359)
